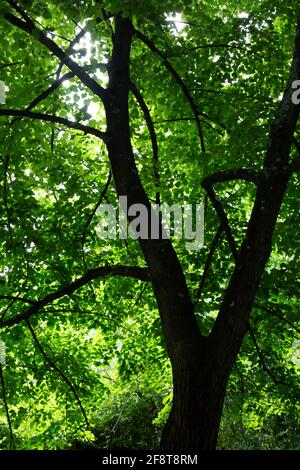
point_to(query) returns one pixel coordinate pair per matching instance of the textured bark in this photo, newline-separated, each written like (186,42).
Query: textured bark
(198,397)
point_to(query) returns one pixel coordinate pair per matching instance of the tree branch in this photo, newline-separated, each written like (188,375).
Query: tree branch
(60,372)
(20,10)
(231,323)
(294,166)
(56,119)
(189,119)
(222,216)
(11,64)
(178,79)
(296,144)
(209,258)
(126,271)
(42,96)
(270,311)
(206,116)
(90,218)
(230,175)
(263,363)
(211,46)
(139,97)
(74,41)
(29,27)
(16,298)
(220,177)
(54,86)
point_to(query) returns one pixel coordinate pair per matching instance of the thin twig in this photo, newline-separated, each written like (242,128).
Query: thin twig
(209,258)
(231,175)
(263,363)
(142,103)
(119,270)
(211,46)
(180,82)
(92,214)
(275,314)
(222,216)
(55,119)
(29,27)
(11,64)
(189,119)
(17,298)
(60,372)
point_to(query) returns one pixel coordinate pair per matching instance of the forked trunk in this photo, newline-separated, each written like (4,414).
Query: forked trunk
(201,365)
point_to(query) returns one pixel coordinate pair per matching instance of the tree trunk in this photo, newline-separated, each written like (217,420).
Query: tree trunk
(201,365)
(194,419)
(193,423)
(199,386)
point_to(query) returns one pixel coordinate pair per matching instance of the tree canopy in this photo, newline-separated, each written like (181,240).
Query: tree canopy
(86,361)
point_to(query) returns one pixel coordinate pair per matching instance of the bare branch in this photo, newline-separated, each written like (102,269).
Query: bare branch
(53,118)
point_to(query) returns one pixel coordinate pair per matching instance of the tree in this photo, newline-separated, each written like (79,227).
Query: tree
(142,46)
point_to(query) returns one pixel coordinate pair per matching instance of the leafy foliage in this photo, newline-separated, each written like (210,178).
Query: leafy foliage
(106,337)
